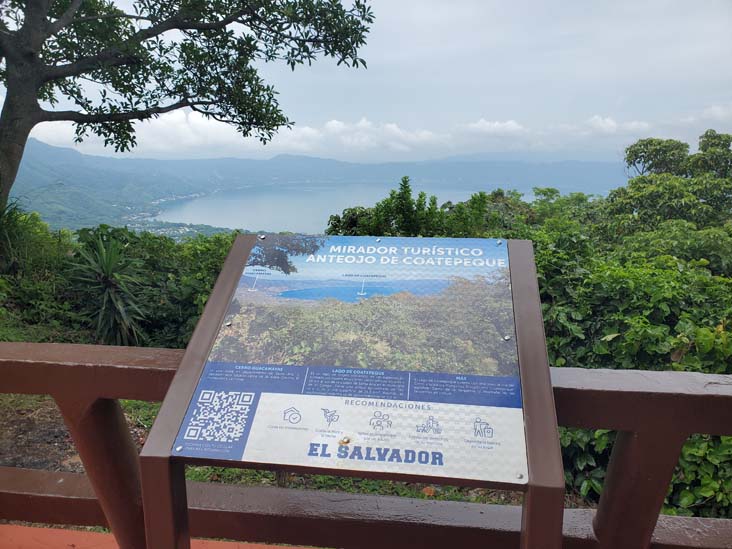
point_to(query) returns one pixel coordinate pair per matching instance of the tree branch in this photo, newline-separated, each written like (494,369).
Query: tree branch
(99,118)
(210,114)
(109,16)
(115,56)
(107,58)
(65,19)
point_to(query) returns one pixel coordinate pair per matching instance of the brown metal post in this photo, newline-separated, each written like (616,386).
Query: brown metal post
(166,503)
(638,476)
(102,438)
(163,480)
(543,505)
(542,517)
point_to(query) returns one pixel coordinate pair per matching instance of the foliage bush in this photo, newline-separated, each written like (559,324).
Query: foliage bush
(638,280)
(641,279)
(109,281)
(178,278)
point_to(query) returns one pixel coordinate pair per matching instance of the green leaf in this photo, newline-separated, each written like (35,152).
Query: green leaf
(704,338)
(686,499)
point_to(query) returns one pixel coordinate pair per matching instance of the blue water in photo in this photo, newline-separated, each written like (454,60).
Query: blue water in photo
(349,295)
(353,293)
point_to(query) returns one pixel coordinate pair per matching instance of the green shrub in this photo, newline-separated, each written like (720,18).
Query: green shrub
(108,280)
(641,280)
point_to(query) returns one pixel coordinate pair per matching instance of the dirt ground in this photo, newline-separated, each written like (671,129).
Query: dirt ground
(34,436)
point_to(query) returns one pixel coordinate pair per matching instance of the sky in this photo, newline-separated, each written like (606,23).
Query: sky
(571,78)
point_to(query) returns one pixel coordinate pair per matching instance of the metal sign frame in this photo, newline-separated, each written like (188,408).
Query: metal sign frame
(163,481)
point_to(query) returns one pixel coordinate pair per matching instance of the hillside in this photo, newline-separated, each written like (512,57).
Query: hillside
(74,190)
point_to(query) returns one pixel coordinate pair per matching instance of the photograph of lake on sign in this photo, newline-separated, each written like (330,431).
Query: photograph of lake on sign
(410,304)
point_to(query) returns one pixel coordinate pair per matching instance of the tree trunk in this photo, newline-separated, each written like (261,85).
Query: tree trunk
(16,121)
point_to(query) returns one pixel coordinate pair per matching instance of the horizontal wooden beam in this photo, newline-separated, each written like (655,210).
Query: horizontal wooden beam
(354,521)
(639,400)
(136,373)
(626,400)
(34,495)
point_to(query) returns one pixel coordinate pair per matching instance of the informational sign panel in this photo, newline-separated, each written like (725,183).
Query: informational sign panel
(384,355)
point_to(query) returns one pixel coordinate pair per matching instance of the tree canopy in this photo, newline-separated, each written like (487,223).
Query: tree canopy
(114,66)
(669,156)
(655,155)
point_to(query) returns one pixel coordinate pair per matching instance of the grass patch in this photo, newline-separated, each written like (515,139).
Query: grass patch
(141,413)
(228,475)
(11,402)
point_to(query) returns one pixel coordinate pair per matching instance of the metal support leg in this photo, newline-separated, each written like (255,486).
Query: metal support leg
(165,502)
(541,520)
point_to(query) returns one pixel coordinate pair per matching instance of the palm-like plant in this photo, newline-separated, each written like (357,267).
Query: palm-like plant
(110,279)
(10,234)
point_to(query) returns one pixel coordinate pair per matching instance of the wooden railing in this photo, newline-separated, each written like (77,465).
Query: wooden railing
(654,412)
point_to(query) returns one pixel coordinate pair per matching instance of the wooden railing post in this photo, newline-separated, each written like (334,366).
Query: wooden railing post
(637,480)
(104,443)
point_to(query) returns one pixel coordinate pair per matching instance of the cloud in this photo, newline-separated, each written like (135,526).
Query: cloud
(185,134)
(602,125)
(635,126)
(189,134)
(490,127)
(608,125)
(721,112)
(718,113)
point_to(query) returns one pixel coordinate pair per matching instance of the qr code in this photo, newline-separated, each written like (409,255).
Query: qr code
(219,416)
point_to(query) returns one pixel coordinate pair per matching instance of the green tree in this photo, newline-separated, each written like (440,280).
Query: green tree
(119,66)
(649,200)
(714,156)
(653,155)
(682,240)
(400,214)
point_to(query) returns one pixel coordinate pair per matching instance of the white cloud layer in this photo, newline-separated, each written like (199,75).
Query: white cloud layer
(608,124)
(718,113)
(490,127)
(181,134)
(186,134)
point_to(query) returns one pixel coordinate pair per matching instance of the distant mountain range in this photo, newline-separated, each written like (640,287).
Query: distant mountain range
(74,190)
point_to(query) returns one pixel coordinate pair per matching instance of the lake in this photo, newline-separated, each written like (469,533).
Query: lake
(349,295)
(299,209)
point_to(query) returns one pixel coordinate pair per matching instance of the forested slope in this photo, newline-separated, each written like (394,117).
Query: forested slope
(639,279)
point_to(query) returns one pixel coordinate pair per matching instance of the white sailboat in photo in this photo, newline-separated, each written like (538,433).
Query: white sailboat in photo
(253,289)
(363,285)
